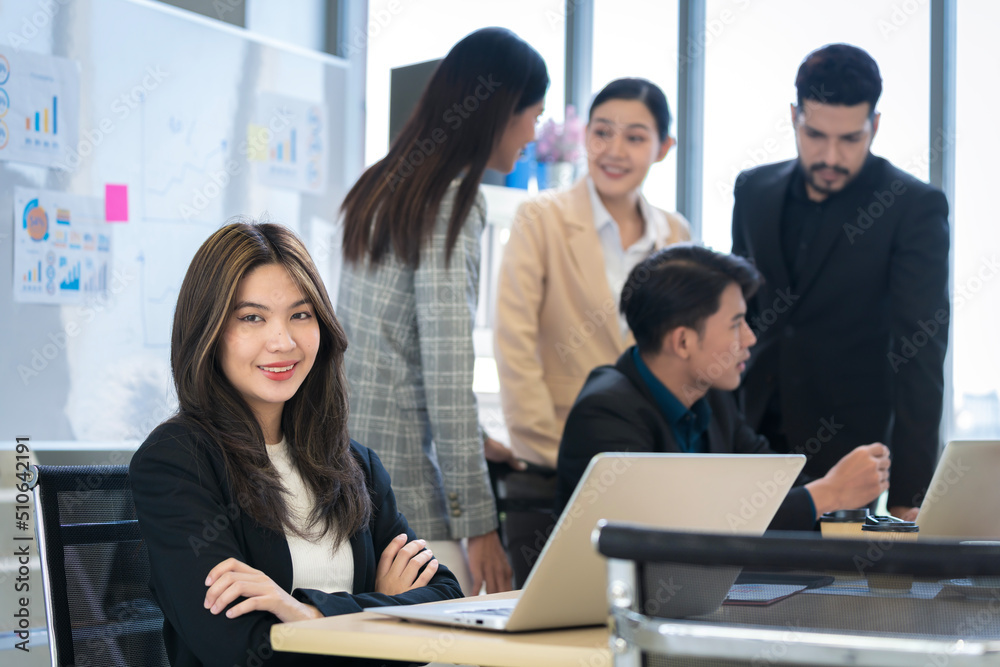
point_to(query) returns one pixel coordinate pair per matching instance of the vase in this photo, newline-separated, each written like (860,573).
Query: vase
(555,175)
(524,169)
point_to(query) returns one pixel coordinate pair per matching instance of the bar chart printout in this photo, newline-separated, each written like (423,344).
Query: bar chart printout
(289,143)
(39,109)
(62,247)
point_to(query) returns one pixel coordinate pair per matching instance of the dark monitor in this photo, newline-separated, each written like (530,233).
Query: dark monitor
(405,87)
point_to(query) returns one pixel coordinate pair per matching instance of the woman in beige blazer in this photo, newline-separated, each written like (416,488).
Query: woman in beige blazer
(566,261)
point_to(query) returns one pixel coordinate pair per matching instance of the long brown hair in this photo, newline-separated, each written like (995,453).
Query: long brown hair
(484,80)
(314,420)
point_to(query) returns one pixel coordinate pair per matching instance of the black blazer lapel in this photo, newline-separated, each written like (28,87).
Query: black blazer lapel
(764,211)
(626,365)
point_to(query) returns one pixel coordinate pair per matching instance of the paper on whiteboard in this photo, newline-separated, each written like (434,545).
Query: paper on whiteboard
(62,247)
(288,143)
(39,108)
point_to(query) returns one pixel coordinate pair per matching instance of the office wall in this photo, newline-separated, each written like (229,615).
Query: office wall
(168,101)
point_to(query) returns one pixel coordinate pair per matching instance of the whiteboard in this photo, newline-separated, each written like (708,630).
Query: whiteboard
(167,102)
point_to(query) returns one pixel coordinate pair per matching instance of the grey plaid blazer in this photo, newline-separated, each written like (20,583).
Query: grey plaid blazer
(409,363)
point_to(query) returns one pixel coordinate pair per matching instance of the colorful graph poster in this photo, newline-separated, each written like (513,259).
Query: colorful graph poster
(39,108)
(289,143)
(62,247)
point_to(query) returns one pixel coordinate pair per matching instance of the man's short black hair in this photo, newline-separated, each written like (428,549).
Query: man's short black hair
(839,74)
(680,286)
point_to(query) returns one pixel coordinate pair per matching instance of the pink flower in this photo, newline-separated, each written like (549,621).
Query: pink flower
(560,142)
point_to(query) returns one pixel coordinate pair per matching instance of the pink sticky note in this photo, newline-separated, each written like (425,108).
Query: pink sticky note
(116,203)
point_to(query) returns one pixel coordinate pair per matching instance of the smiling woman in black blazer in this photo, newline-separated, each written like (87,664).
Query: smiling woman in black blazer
(254,503)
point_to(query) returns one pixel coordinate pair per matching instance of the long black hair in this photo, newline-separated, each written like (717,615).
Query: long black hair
(484,80)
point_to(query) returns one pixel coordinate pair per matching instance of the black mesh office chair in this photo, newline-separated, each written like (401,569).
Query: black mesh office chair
(95,569)
(799,600)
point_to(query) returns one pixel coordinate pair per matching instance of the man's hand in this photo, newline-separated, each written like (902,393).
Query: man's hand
(903,512)
(488,562)
(232,579)
(399,566)
(497,452)
(855,480)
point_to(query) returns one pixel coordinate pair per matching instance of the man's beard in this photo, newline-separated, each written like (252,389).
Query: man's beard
(816,184)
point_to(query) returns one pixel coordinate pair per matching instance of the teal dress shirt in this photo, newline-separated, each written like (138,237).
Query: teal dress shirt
(688,425)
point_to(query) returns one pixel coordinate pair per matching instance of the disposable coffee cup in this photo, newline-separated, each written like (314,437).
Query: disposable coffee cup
(986,581)
(843,524)
(889,528)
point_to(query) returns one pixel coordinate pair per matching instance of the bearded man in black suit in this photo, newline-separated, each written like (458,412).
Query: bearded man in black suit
(852,319)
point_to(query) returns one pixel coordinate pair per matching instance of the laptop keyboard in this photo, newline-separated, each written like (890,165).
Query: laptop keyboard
(504,611)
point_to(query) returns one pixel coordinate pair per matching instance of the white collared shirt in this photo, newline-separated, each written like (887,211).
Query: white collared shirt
(618,261)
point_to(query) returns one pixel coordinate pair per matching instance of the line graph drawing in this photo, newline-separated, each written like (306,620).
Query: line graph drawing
(182,148)
(188,167)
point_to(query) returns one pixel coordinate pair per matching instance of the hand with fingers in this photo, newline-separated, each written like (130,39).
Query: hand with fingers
(488,563)
(497,452)
(856,480)
(233,579)
(399,566)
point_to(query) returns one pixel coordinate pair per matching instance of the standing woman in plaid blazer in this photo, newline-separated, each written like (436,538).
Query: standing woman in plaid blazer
(409,290)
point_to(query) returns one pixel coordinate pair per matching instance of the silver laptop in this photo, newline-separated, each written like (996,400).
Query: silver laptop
(963,499)
(715,493)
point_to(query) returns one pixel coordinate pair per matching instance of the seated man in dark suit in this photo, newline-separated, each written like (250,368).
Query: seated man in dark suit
(686,306)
